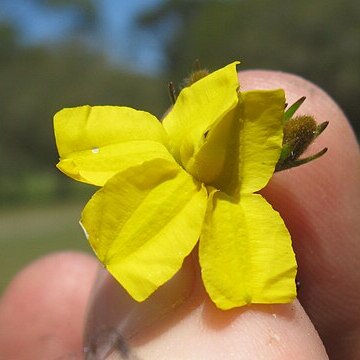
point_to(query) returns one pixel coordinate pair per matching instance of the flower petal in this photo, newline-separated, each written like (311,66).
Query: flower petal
(95,143)
(197,108)
(241,149)
(245,253)
(217,161)
(144,222)
(261,113)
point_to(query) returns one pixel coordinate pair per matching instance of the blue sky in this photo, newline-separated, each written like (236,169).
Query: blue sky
(116,35)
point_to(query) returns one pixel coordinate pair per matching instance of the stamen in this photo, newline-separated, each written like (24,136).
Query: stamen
(172,92)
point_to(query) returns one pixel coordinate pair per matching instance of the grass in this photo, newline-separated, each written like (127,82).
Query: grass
(29,233)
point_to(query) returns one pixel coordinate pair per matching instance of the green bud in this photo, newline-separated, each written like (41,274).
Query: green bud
(299,133)
(197,74)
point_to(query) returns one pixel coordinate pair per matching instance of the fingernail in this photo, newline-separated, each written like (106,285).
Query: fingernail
(108,344)
(114,317)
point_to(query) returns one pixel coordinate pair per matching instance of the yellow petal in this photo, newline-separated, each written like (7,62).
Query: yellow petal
(261,114)
(217,161)
(98,165)
(95,143)
(245,253)
(197,108)
(144,222)
(241,149)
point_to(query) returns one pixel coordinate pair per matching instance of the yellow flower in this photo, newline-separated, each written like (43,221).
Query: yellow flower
(193,177)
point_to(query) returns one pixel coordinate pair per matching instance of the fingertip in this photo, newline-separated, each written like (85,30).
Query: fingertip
(113,312)
(261,331)
(42,310)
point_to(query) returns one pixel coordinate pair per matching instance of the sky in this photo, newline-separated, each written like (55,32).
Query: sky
(116,35)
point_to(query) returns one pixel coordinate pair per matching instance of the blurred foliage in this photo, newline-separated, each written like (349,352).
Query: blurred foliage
(319,40)
(85,10)
(36,82)
(29,232)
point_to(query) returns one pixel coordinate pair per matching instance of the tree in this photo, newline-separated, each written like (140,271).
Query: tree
(85,10)
(38,81)
(315,39)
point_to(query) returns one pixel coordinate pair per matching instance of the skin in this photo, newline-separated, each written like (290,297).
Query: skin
(44,311)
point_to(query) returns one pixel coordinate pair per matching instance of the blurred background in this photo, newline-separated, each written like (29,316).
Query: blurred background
(61,53)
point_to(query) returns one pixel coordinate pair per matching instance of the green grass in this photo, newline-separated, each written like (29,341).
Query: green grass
(29,233)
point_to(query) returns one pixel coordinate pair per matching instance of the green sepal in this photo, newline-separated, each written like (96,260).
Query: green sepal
(293,108)
(285,152)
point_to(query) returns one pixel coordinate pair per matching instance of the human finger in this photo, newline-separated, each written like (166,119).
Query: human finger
(42,310)
(295,88)
(320,203)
